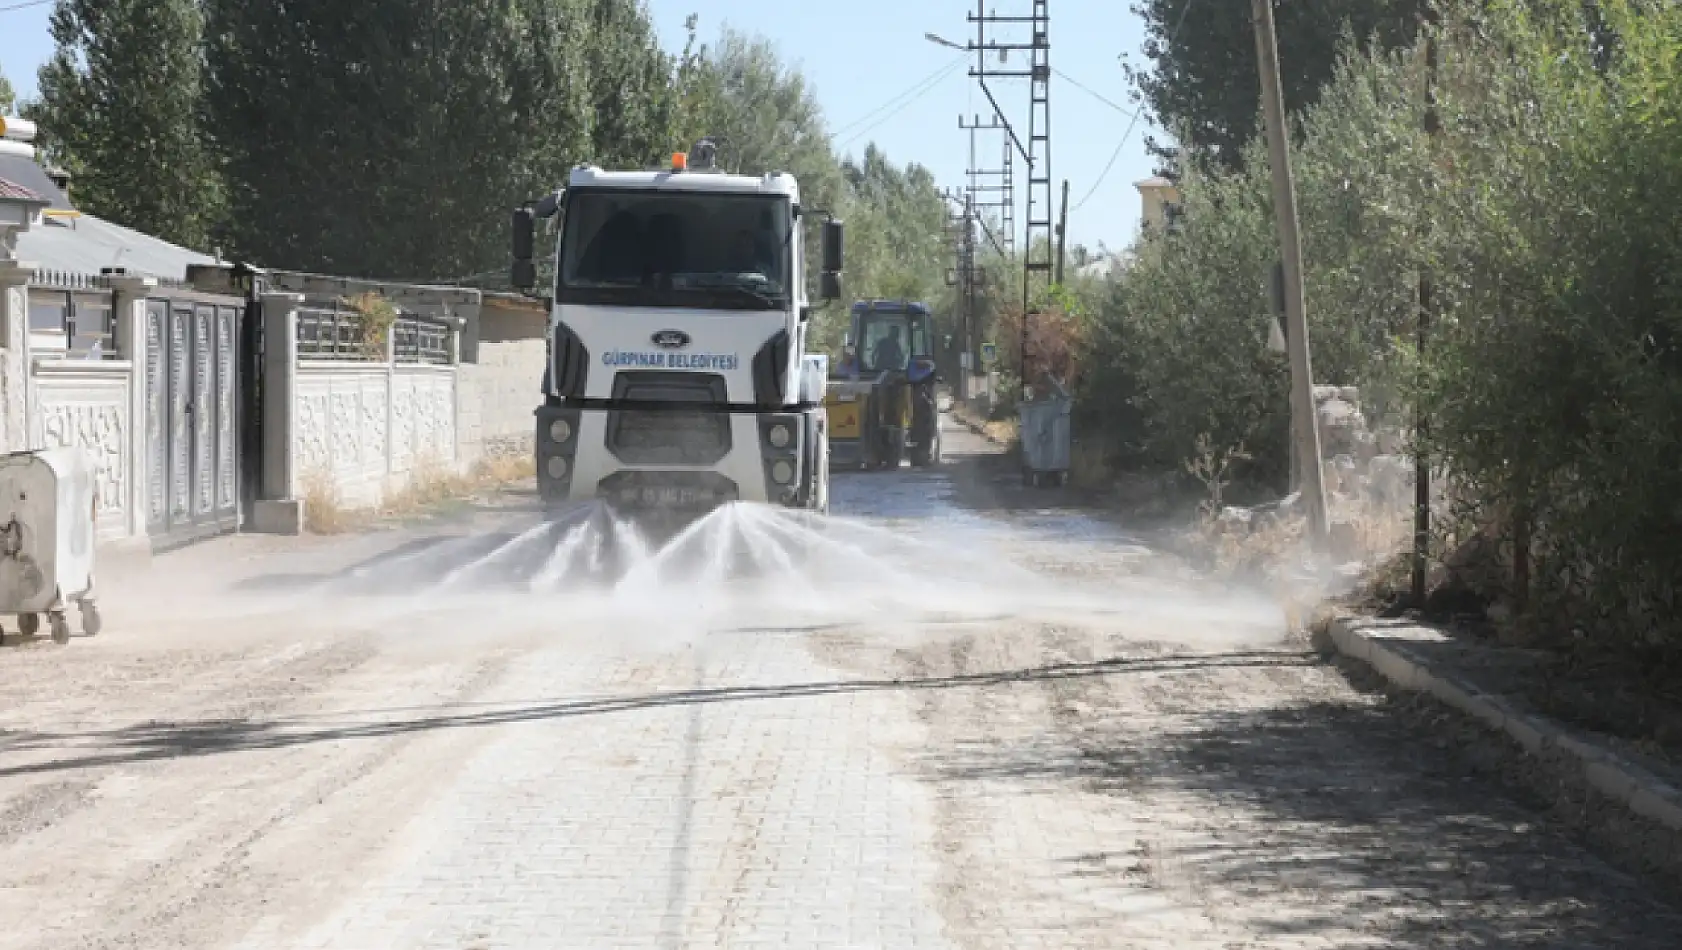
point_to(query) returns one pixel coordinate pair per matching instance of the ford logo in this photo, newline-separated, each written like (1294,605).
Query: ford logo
(671,339)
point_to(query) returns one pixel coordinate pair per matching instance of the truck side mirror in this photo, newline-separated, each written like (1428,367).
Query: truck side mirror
(829,282)
(833,236)
(525,271)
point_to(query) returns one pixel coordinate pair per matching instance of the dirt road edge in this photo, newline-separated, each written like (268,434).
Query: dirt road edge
(1382,645)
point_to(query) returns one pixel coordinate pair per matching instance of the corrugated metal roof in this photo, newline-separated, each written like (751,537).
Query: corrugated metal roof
(86,244)
(16,192)
(23,171)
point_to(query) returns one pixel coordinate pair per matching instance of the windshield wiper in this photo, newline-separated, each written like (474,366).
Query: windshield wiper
(594,283)
(749,285)
(770,301)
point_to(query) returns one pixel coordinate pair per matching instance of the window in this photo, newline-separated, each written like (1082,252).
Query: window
(654,248)
(891,339)
(91,327)
(70,322)
(48,315)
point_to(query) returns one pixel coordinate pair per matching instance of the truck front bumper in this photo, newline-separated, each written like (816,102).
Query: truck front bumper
(682,460)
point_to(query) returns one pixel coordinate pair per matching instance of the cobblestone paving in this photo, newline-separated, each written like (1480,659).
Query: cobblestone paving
(1142,778)
(678,820)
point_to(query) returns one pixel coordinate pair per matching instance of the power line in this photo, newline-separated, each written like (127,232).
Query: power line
(25,6)
(1078,85)
(919,88)
(925,90)
(1116,155)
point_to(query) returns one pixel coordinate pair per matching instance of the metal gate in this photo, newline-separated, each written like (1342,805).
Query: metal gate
(193,445)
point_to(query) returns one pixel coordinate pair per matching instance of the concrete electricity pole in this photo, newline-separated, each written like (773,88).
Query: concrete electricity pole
(1305,430)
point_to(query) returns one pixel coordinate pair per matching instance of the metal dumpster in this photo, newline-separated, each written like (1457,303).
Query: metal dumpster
(1043,430)
(47,540)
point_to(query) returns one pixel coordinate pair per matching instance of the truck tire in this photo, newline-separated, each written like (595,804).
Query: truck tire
(925,423)
(894,452)
(927,454)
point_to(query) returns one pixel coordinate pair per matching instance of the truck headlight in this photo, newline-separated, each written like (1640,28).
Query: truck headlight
(559,431)
(782,472)
(780,436)
(557,466)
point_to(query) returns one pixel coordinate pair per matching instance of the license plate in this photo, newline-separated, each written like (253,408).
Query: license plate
(846,397)
(668,497)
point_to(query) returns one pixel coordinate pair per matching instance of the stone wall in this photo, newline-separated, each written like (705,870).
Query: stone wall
(497,394)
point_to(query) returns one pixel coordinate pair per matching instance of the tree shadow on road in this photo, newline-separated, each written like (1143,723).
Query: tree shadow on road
(1329,817)
(154,741)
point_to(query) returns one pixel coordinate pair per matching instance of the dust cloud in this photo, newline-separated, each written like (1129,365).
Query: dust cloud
(743,567)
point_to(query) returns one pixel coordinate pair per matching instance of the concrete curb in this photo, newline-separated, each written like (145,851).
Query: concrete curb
(1378,644)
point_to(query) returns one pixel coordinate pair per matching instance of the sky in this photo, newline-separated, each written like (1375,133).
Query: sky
(868,61)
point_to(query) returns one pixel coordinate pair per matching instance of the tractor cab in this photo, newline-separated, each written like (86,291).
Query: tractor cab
(893,337)
(882,404)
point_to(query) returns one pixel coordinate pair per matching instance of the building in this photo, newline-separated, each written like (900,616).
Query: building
(212,396)
(1159,201)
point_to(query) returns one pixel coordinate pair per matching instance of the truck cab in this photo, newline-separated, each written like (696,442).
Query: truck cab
(677,374)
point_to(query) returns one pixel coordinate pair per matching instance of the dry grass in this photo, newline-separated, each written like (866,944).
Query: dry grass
(1003,431)
(324,510)
(431,484)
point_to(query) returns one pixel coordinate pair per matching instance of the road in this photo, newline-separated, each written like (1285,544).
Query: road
(961,725)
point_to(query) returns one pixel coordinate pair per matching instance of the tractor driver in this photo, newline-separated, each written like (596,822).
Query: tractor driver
(889,354)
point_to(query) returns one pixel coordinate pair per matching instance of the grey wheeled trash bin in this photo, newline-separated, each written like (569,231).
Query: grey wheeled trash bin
(47,540)
(1043,430)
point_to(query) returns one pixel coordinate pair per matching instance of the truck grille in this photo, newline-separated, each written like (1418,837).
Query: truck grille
(685,422)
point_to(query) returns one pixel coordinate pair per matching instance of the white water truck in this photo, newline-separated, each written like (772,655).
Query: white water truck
(677,377)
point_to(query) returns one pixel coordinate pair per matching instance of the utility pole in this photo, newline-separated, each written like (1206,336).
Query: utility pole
(993,189)
(1037,249)
(964,282)
(1306,431)
(1063,233)
(1427,294)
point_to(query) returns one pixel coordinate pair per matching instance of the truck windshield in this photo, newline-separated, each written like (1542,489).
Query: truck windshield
(676,249)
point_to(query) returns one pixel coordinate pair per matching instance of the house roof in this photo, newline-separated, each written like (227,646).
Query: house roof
(12,191)
(79,243)
(23,172)
(86,245)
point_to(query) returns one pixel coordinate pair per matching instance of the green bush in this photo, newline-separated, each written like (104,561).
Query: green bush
(1544,214)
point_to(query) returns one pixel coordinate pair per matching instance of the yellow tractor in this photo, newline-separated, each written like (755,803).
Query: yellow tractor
(881,395)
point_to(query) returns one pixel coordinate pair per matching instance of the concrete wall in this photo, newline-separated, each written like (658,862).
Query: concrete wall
(364,430)
(48,402)
(14,357)
(87,403)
